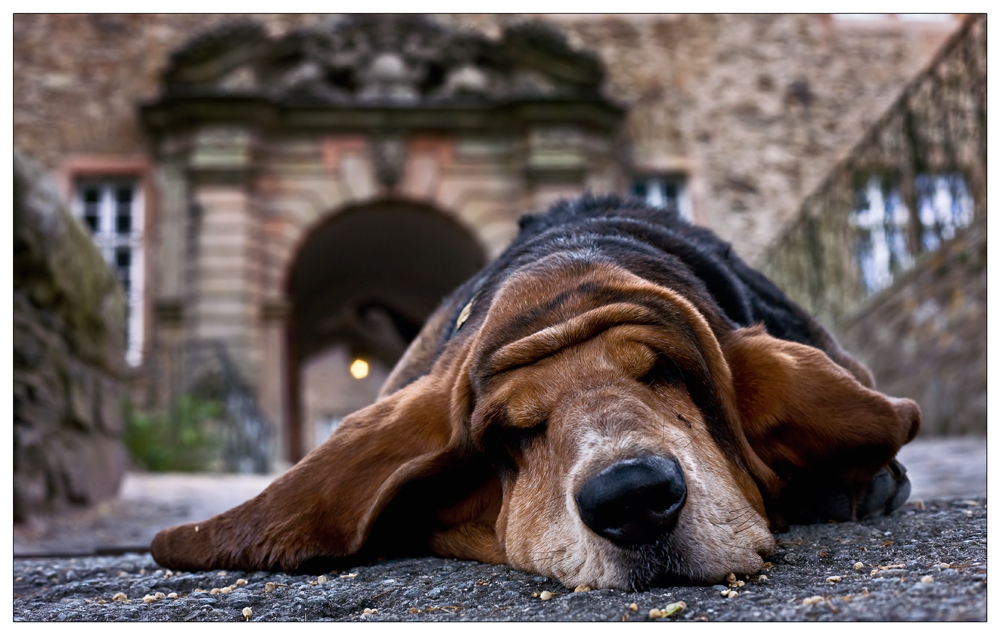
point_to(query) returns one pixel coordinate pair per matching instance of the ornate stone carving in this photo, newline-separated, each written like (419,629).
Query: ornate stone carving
(389,156)
(382,60)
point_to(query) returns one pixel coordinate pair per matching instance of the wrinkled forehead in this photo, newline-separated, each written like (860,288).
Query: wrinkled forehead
(562,300)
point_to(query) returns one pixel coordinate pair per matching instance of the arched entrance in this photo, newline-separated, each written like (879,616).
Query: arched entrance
(361,285)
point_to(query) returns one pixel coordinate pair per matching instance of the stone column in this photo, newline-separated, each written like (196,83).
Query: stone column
(273,384)
(224,308)
(555,164)
(168,286)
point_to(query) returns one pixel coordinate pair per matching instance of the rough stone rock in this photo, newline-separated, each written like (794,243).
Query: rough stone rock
(69,339)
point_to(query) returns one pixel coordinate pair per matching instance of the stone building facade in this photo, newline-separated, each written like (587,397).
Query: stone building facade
(890,250)
(313,185)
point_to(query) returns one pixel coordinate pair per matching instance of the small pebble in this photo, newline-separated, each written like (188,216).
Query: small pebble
(674,609)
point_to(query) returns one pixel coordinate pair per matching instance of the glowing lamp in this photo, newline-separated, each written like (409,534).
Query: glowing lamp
(359,369)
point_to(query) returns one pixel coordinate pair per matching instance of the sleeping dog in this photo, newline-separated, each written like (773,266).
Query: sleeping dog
(617,401)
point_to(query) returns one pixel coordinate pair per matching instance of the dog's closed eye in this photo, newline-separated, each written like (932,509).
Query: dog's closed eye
(664,372)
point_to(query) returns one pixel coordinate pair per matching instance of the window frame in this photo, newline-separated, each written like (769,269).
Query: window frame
(655,182)
(73,176)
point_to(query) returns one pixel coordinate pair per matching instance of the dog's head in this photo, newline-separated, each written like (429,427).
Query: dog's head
(585,424)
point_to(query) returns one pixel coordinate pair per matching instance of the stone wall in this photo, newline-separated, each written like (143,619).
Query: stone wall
(925,337)
(754,108)
(69,338)
(923,332)
(936,126)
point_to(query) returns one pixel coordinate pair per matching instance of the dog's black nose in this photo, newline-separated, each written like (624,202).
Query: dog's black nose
(633,502)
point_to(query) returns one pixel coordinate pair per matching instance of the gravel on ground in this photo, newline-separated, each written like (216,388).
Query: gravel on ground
(925,562)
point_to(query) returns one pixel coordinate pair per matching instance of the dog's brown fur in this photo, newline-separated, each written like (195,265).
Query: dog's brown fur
(486,428)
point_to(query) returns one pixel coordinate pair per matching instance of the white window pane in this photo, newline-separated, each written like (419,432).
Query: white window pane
(112,209)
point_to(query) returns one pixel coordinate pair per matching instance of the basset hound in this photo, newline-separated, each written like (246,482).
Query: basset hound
(618,400)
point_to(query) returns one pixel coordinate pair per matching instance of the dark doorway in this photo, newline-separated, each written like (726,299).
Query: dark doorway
(361,286)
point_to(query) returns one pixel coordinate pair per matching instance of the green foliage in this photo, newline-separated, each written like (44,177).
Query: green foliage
(181,439)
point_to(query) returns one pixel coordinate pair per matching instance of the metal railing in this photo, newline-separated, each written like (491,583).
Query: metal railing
(247,434)
(916,178)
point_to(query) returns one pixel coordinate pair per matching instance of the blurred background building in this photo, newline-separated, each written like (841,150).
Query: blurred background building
(286,198)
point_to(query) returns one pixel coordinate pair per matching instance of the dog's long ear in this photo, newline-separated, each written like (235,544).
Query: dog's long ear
(802,413)
(325,506)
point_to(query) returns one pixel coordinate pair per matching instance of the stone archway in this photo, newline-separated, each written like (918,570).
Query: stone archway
(361,285)
(258,136)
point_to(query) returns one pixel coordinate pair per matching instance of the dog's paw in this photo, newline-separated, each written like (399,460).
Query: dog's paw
(886,493)
(806,503)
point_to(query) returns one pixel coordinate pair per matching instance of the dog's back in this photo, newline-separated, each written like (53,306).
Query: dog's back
(653,243)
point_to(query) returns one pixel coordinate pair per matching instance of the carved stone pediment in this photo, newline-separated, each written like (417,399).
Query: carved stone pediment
(379,60)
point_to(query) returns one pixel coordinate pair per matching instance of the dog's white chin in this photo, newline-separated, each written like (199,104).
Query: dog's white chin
(704,548)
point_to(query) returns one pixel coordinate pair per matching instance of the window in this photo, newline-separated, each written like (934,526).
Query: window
(882,220)
(945,205)
(112,209)
(889,235)
(665,191)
